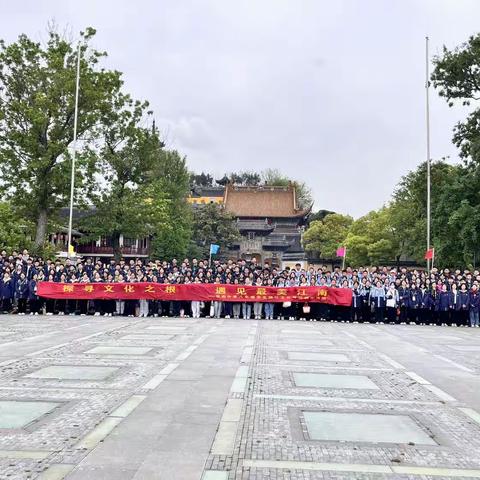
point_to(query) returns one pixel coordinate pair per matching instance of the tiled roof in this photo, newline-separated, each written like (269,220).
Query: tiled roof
(207,192)
(263,201)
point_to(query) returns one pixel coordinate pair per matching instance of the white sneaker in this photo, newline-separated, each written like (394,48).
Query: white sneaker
(96,314)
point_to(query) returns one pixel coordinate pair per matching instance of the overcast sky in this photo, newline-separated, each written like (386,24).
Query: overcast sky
(330,92)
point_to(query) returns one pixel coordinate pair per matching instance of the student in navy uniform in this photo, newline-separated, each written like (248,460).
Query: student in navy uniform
(97,304)
(228,306)
(444,301)
(474,303)
(463,306)
(403,301)
(454,314)
(6,293)
(377,298)
(33,299)
(425,306)
(414,301)
(109,304)
(21,293)
(366,309)
(357,302)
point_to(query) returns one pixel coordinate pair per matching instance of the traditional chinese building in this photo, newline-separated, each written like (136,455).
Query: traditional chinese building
(206,195)
(101,247)
(270,221)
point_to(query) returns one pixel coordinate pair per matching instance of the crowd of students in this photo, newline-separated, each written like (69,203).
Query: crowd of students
(379,294)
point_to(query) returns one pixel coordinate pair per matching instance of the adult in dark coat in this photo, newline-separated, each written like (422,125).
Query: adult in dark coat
(21,293)
(6,293)
(426,305)
(463,306)
(474,303)
(414,302)
(403,299)
(33,299)
(444,302)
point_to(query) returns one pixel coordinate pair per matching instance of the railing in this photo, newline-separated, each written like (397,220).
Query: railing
(251,245)
(277,243)
(106,250)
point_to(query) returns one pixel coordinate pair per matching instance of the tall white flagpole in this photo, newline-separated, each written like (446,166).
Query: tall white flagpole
(427,111)
(344,256)
(72,180)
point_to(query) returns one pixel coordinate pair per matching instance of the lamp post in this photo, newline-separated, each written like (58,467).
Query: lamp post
(74,152)
(427,113)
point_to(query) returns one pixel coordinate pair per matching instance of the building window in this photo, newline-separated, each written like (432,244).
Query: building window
(129,242)
(251,235)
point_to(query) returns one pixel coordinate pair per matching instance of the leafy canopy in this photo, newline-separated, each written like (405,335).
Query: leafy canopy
(37,99)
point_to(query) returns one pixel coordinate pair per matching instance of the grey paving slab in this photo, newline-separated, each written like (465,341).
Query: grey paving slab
(215,475)
(165,466)
(107,350)
(465,348)
(321,357)
(321,380)
(101,472)
(74,372)
(18,414)
(148,336)
(169,329)
(365,427)
(169,433)
(302,341)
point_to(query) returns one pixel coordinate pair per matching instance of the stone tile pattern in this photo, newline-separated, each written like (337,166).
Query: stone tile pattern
(83,403)
(273,429)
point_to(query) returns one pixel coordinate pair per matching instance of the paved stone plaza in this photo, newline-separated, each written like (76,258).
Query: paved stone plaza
(206,399)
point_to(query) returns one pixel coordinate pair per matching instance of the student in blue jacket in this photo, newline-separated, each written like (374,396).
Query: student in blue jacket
(426,305)
(21,293)
(462,306)
(403,298)
(377,298)
(474,302)
(357,302)
(6,293)
(444,301)
(33,299)
(414,302)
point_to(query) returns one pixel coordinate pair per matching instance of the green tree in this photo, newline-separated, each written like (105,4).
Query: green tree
(323,237)
(37,97)
(212,224)
(457,78)
(171,184)
(456,219)
(372,239)
(14,230)
(408,209)
(319,215)
(201,180)
(124,206)
(273,176)
(245,178)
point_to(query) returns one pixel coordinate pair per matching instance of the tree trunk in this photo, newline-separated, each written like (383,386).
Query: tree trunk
(117,252)
(41,229)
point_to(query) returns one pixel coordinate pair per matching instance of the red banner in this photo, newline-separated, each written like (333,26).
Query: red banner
(204,292)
